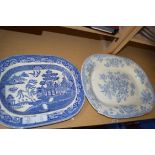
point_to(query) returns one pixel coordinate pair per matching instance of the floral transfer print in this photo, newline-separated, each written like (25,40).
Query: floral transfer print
(116,84)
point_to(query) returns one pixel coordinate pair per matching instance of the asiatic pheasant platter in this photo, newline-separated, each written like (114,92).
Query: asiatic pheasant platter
(38,90)
(116,86)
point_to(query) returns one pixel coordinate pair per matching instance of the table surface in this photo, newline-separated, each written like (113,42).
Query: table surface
(76,50)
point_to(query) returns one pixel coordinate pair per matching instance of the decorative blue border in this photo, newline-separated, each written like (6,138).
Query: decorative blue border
(117,111)
(16,122)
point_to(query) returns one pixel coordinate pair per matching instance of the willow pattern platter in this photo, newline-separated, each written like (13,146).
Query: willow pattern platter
(116,86)
(38,90)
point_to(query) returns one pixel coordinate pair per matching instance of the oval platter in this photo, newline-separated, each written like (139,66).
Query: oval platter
(38,90)
(116,86)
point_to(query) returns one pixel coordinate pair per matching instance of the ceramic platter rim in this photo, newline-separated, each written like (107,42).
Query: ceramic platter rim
(15,120)
(115,111)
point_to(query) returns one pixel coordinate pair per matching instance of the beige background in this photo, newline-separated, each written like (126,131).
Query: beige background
(76,50)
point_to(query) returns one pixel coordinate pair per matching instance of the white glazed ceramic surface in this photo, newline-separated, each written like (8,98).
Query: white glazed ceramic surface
(116,86)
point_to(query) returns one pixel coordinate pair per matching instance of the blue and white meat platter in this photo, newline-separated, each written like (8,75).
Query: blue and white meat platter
(38,90)
(116,86)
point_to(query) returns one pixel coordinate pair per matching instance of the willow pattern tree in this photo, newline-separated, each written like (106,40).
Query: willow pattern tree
(10,99)
(42,91)
(63,85)
(49,78)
